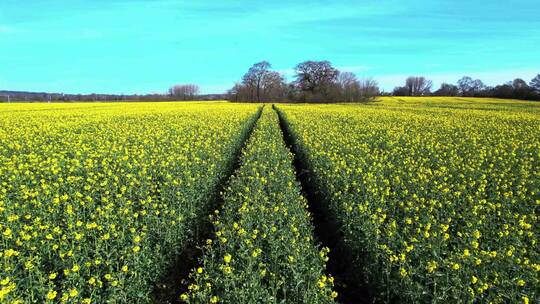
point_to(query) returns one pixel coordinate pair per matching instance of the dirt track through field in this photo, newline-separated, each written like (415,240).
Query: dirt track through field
(326,230)
(348,282)
(176,282)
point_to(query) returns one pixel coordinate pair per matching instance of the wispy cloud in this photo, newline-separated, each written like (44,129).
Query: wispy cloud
(216,89)
(353,68)
(6,29)
(287,72)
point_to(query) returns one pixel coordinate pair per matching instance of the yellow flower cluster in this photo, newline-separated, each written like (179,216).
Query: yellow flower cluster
(96,198)
(269,255)
(433,191)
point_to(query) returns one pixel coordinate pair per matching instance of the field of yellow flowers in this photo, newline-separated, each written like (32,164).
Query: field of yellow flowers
(438,197)
(435,199)
(263,250)
(96,199)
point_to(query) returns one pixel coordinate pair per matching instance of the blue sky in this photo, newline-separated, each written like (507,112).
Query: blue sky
(142,46)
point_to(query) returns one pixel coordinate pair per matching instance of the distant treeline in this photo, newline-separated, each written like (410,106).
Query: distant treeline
(315,81)
(468,87)
(173,95)
(319,81)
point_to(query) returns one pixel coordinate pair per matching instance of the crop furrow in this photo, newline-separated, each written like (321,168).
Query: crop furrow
(263,250)
(168,289)
(350,284)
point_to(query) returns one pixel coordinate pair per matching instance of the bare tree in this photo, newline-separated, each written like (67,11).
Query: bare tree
(260,84)
(274,87)
(521,89)
(238,93)
(369,89)
(316,78)
(350,87)
(478,86)
(503,91)
(184,91)
(447,90)
(418,86)
(535,83)
(256,79)
(347,78)
(354,90)
(400,91)
(465,85)
(519,84)
(315,81)
(469,87)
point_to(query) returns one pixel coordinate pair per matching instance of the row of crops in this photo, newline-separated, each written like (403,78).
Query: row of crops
(438,204)
(96,200)
(263,250)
